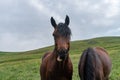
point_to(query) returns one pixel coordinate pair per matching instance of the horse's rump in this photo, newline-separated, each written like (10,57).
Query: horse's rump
(94,64)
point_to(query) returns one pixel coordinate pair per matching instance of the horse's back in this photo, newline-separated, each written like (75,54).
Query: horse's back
(104,56)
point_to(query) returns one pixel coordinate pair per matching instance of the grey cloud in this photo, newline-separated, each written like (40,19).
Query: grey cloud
(25,26)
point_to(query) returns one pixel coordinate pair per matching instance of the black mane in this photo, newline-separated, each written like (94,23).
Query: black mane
(64,30)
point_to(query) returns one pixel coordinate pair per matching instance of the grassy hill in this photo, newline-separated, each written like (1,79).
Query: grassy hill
(25,65)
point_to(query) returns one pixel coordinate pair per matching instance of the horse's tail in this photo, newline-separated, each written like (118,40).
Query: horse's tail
(87,65)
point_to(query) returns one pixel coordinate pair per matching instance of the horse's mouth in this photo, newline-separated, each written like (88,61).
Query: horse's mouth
(62,55)
(59,59)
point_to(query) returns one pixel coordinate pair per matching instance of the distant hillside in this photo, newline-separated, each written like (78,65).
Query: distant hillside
(25,65)
(105,42)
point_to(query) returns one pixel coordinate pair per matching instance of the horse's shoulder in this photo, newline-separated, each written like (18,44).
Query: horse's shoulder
(46,54)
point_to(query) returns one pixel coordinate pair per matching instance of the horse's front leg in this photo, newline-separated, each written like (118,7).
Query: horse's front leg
(50,76)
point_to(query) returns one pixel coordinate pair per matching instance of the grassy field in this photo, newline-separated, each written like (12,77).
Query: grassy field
(25,65)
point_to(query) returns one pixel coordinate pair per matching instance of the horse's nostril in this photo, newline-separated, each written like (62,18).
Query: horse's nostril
(63,51)
(66,51)
(62,57)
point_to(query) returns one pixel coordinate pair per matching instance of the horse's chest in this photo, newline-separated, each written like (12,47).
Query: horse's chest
(57,72)
(59,75)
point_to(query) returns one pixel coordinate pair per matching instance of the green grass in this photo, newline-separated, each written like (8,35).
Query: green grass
(25,65)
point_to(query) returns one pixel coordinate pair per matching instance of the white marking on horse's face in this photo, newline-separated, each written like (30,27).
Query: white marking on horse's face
(58,59)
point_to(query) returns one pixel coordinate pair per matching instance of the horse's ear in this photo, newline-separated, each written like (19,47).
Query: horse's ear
(53,22)
(67,21)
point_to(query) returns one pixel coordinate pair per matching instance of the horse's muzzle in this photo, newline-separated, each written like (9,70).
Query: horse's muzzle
(62,54)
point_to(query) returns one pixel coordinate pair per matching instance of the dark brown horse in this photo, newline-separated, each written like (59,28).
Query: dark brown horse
(57,65)
(94,64)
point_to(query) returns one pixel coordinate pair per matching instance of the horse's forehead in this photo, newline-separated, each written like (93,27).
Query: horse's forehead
(61,24)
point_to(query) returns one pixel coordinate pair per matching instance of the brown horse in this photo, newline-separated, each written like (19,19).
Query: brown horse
(94,64)
(57,65)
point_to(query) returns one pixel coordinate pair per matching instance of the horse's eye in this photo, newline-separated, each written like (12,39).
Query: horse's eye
(53,34)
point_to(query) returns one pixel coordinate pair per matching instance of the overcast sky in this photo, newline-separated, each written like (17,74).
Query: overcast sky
(25,24)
